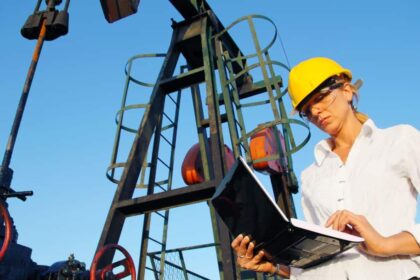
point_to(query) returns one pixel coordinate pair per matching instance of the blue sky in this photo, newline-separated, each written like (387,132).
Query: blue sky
(65,141)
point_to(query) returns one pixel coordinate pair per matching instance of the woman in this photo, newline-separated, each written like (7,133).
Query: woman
(364,181)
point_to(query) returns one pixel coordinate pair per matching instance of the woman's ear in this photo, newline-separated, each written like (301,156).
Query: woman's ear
(348,92)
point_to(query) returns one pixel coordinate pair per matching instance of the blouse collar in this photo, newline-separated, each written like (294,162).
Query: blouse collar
(323,148)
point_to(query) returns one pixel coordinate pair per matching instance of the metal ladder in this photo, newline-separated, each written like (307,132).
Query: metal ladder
(166,125)
(234,94)
(163,185)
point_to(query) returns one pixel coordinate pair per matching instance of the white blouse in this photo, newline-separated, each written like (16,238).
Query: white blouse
(380,180)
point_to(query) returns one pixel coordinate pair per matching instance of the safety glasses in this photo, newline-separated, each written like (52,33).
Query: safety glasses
(321,100)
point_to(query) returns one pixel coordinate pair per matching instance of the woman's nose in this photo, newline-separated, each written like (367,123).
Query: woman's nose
(316,110)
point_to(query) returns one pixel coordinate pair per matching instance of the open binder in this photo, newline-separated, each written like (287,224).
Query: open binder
(244,205)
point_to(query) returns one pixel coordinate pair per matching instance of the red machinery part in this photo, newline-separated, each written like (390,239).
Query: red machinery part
(7,230)
(192,168)
(115,10)
(263,144)
(127,263)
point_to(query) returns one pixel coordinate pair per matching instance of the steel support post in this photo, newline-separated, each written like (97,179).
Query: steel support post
(227,266)
(115,219)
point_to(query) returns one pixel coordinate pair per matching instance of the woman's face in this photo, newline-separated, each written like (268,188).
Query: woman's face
(329,108)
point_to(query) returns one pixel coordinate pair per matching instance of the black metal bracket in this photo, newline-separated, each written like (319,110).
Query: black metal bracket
(57,22)
(9,193)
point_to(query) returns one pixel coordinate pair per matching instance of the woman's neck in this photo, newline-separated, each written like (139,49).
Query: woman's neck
(346,136)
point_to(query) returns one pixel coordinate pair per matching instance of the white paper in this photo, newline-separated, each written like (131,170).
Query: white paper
(325,231)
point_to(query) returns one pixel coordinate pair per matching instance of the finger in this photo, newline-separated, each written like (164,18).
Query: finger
(259,256)
(337,221)
(243,246)
(331,219)
(244,242)
(350,222)
(250,251)
(348,219)
(237,241)
(342,221)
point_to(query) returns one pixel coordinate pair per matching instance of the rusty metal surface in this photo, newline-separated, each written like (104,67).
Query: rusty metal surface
(117,9)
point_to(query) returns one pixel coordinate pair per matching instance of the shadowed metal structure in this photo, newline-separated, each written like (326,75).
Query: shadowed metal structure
(42,25)
(213,59)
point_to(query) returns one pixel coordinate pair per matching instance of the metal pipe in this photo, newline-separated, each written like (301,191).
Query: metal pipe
(24,97)
(51,5)
(66,6)
(38,4)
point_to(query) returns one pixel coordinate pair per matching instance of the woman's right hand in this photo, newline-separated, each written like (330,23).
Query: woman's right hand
(244,249)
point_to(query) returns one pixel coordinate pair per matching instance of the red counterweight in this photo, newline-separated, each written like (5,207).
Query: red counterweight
(263,144)
(192,167)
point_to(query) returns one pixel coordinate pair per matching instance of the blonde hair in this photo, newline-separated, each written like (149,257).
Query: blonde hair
(361,117)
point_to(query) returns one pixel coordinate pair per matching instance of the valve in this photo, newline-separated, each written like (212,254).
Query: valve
(106,272)
(7,230)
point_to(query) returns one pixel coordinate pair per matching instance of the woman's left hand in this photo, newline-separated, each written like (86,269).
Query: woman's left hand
(346,221)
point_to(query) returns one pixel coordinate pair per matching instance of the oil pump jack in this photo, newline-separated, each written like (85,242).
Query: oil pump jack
(213,60)
(208,50)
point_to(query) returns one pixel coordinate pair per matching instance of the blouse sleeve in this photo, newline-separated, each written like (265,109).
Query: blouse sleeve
(411,166)
(307,207)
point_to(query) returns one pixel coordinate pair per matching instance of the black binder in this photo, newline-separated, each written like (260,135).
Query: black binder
(244,205)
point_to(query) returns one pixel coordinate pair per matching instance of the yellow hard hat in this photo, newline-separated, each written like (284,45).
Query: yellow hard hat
(305,77)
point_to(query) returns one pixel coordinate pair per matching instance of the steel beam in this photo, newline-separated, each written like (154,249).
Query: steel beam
(115,219)
(165,200)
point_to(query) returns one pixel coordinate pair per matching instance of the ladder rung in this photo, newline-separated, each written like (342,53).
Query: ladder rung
(159,159)
(167,117)
(160,183)
(151,269)
(239,124)
(161,215)
(169,126)
(160,187)
(252,104)
(158,242)
(173,100)
(157,184)
(166,140)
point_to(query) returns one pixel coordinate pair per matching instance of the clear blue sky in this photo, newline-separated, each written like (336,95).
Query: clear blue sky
(66,137)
